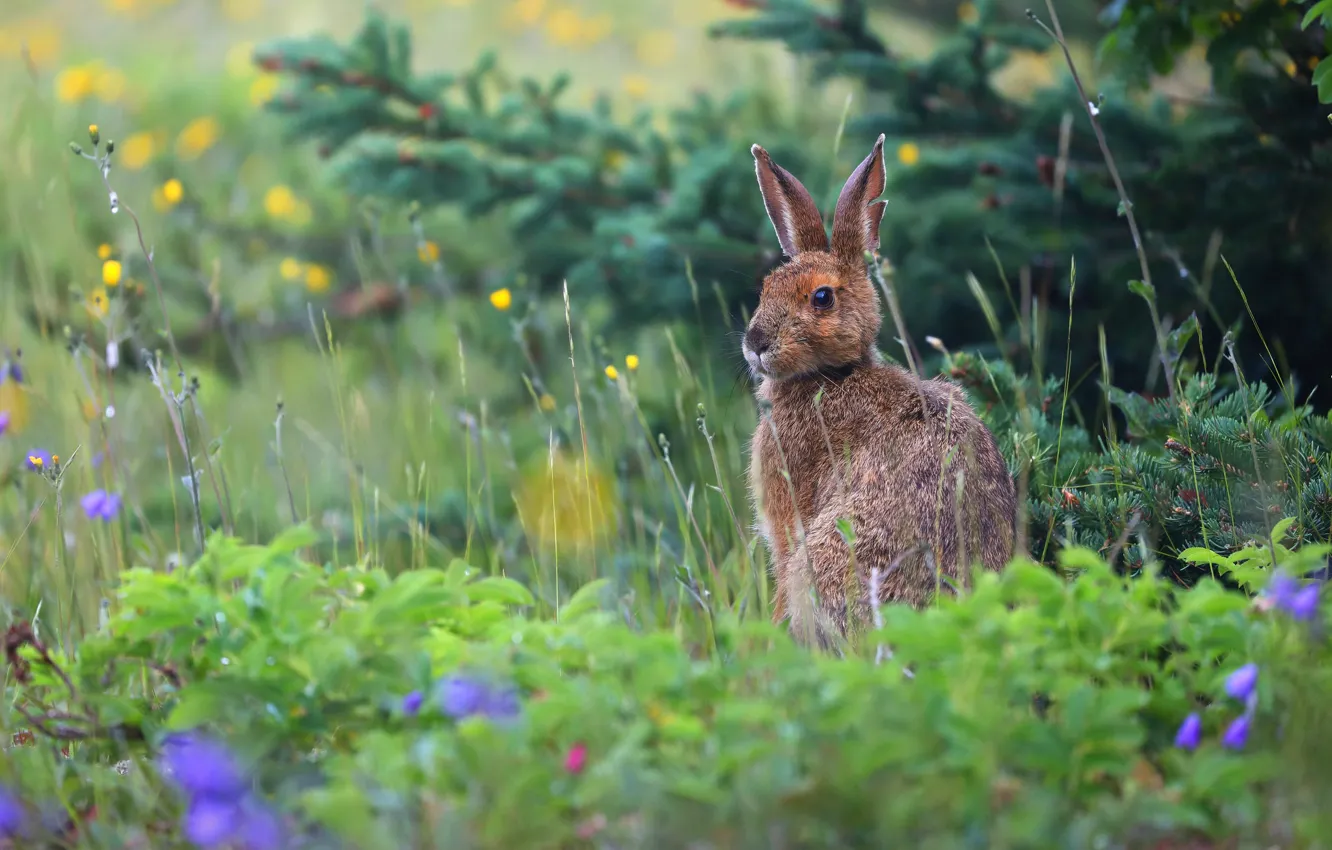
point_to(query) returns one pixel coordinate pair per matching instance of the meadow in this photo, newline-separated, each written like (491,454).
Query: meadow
(336,512)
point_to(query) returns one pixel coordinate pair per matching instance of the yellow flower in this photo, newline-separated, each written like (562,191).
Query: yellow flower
(631,362)
(198,136)
(242,10)
(94,133)
(74,84)
(908,153)
(564,26)
(111,272)
(428,252)
(289,268)
(36,461)
(501,298)
(967,13)
(612,372)
(1290,67)
(110,85)
(656,48)
(280,202)
(104,251)
(263,88)
(527,12)
(636,86)
(317,278)
(122,5)
(173,191)
(547,402)
(137,151)
(98,304)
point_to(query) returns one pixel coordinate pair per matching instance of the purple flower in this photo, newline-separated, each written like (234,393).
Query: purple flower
(261,827)
(1190,732)
(10,370)
(212,822)
(1303,604)
(4,421)
(39,460)
(204,767)
(100,504)
(1286,593)
(1237,733)
(1282,586)
(411,704)
(1240,683)
(461,697)
(11,813)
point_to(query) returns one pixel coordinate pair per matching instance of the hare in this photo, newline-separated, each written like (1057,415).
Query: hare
(857,466)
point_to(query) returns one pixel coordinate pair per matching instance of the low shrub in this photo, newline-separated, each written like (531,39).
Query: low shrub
(259,699)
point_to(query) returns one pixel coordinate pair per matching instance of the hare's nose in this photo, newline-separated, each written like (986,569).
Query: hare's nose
(757,340)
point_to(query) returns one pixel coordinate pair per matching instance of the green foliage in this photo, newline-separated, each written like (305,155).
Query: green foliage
(1211,472)
(1002,181)
(1148,37)
(617,209)
(1035,711)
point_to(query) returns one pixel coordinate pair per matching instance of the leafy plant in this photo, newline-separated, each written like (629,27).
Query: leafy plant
(367,708)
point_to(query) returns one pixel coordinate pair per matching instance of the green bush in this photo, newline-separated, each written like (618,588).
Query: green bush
(1030,712)
(1212,470)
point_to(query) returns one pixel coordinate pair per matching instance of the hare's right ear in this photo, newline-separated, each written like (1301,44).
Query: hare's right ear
(794,216)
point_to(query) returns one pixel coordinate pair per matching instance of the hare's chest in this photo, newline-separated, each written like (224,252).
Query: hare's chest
(791,474)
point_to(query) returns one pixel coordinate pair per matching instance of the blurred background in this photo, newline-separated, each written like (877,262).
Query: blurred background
(361,236)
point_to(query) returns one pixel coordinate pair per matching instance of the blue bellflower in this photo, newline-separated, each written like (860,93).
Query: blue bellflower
(12,814)
(100,504)
(1240,684)
(1237,733)
(461,696)
(221,810)
(1190,733)
(411,704)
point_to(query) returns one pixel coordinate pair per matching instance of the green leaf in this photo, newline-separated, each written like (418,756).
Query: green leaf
(1199,555)
(1323,8)
(1322,78)
(294,539)
(1080,559)
(500,589)
(588,598)
(196,706)
(1280,530)
(1146,290)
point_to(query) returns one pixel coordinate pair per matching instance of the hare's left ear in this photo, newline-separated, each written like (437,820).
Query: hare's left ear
(856,222)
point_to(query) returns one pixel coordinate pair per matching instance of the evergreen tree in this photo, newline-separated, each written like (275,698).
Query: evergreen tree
(1217,469)
(622,211)
(985,177)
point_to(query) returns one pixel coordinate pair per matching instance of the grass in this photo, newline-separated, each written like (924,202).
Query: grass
(457,429)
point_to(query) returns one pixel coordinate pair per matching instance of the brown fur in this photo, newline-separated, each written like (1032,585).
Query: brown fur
(851,438)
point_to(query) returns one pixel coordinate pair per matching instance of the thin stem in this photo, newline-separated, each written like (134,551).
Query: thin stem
(1056,31)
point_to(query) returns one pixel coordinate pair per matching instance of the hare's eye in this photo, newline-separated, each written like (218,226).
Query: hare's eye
(822,298)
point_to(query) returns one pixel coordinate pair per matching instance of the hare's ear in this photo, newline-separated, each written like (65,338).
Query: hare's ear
(794,216)
(856,221)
